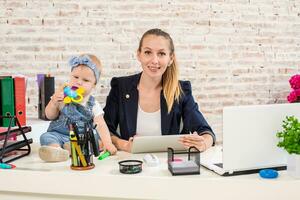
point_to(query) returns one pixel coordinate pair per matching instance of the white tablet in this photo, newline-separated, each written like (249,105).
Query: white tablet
(145,144)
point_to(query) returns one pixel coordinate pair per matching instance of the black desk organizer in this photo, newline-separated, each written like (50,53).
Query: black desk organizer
(189,167)
(15,146)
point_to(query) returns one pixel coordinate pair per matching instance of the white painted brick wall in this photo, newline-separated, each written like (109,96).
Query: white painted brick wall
(234,52)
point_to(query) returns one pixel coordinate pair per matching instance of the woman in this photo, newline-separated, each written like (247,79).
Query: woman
(154,101)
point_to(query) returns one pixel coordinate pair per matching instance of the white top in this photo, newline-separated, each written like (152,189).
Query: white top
(97,109)
(148,124)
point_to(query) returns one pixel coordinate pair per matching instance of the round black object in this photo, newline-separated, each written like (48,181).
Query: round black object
(130,166)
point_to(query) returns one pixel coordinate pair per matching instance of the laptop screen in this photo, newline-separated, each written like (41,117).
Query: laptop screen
(249,135)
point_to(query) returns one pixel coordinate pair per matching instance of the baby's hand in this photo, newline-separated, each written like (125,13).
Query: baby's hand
(58,96)
(111,148)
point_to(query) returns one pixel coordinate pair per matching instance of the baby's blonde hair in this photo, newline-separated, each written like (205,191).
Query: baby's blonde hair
(96,61)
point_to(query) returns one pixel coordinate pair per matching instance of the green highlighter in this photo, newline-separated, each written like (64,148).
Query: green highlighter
(106,154)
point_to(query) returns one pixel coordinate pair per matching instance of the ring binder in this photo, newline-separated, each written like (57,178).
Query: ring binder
(7,100)
(20,102)
(46,86)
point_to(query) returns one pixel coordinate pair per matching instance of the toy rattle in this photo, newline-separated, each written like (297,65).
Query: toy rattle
(73,94)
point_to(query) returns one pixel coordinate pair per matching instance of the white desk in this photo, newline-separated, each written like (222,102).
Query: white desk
(105,182)
(38,127)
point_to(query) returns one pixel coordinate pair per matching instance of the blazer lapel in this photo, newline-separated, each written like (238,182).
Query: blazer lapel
(131,98)
(165,119)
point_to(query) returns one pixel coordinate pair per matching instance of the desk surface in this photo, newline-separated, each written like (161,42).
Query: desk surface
(107,182)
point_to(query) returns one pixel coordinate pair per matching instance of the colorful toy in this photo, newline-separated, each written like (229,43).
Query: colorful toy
(73,94)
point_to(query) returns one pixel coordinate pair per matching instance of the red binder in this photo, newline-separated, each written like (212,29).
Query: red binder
(20,102)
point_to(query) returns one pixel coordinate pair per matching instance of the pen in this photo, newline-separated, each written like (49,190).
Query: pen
(5,166)
(104,155)
(13,167)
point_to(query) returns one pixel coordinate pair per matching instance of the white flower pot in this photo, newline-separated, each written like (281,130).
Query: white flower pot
(293,165)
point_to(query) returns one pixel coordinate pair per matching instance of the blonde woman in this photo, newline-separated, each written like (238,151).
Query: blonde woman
(154,101)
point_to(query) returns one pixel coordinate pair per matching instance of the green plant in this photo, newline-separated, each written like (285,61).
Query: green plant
(290,136)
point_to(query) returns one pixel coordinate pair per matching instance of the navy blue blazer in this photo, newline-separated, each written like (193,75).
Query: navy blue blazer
(122,106)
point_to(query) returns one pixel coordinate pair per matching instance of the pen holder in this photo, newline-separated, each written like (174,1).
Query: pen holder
(83,147)
(81,159)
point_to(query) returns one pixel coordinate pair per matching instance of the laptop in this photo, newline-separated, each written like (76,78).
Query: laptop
(147,144)
(249,139)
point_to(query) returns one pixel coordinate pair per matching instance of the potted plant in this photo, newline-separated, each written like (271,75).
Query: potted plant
(290,141)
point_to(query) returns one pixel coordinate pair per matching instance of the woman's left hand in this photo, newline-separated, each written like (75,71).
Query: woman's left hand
(201,142)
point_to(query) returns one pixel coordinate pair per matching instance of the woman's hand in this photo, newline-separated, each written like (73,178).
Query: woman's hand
(201,142)
(124,145)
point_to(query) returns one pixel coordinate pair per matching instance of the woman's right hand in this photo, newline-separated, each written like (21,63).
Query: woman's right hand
(126,145)
(123,145)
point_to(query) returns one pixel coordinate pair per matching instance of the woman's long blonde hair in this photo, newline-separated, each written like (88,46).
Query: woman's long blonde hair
(170,83)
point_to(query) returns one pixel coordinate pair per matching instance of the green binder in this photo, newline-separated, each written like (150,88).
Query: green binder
(7,100)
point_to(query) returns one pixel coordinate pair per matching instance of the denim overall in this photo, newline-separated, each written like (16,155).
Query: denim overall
(58,130)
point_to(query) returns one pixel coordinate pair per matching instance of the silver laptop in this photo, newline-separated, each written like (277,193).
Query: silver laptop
(249,139)
(145,144)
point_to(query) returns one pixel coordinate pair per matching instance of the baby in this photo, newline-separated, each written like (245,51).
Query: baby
(55,143)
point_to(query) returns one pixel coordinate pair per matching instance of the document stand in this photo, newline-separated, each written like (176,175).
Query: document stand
(187,167)
(10,150)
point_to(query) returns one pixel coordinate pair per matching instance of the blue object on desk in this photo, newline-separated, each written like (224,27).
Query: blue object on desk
(268,173)
(5,166)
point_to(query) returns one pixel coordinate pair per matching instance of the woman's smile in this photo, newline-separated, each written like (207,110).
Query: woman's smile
(154,68)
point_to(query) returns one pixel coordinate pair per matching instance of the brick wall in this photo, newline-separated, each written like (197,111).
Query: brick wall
(235,52)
